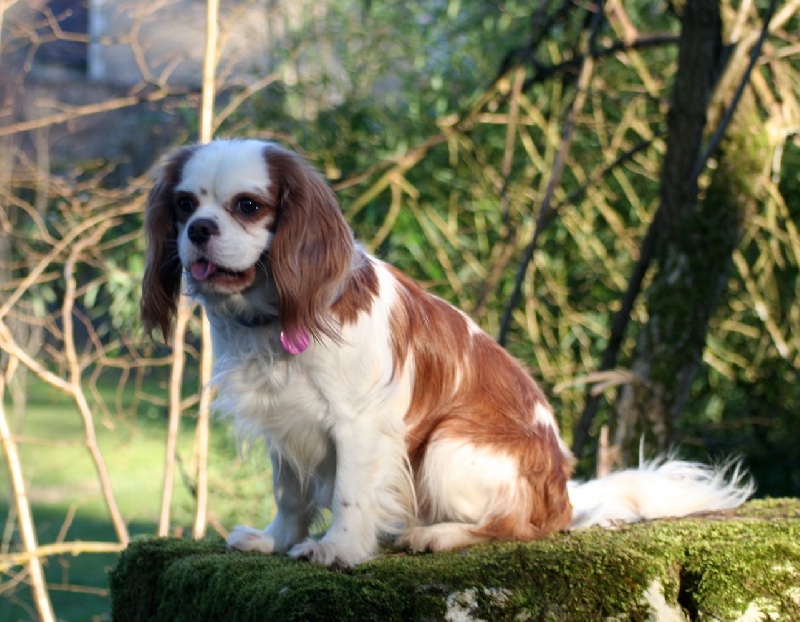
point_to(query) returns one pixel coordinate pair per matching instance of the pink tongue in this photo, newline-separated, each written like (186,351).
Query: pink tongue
(203,269)
(294,342)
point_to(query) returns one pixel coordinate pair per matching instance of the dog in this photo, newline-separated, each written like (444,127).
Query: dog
(377,399)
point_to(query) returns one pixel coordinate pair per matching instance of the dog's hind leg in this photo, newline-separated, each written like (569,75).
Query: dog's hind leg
(471,493)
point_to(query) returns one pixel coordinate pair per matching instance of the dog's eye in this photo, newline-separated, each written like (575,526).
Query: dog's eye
(247,206)
(184,205)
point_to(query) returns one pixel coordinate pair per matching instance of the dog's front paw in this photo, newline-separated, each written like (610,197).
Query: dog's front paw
(245,538)
(329,553)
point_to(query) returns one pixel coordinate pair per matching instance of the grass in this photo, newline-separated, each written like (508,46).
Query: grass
(67,504)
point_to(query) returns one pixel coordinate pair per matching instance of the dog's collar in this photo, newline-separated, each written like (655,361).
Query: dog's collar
(292,342)
(257,321)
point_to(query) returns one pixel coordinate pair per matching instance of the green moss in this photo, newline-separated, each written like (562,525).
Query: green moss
(714,568)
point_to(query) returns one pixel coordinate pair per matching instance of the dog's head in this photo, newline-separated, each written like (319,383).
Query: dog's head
(250,226)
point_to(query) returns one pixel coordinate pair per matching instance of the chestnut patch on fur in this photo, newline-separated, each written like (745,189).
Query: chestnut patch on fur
(467,387)
(359,294)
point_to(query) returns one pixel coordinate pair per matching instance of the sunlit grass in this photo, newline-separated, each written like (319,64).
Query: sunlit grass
(67,503)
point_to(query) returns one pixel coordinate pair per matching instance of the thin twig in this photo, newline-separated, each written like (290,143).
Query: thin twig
(546,209)
(202,433)
(74,548)
(727,117)
(24,516)
(75,370)
(75,112)
(202,430)
(618,328)
(182,317)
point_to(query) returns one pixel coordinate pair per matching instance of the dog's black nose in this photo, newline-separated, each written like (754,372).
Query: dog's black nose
(201,230)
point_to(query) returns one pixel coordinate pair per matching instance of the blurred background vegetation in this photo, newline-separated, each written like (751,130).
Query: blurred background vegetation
(615,199)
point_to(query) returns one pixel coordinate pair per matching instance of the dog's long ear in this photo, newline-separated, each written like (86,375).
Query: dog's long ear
(161,284)
(313,247)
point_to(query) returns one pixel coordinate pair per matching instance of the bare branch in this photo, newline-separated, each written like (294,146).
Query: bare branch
(74,548)
(72,113)
(555,178)
(75,371)
(24,515)
(185,310)
(719,132)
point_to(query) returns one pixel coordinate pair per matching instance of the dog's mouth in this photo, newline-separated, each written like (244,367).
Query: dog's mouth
(221,278)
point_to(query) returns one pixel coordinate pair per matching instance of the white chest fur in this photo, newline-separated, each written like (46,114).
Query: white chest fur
(269,393)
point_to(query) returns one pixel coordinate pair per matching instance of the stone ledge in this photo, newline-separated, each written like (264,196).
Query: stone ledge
(740,565)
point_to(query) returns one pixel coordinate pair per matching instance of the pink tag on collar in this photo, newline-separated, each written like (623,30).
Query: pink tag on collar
(294,343)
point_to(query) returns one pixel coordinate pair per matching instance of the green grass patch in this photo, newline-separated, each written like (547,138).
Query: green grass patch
(67,504)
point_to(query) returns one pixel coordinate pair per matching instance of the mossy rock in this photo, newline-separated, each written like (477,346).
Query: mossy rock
(740,565)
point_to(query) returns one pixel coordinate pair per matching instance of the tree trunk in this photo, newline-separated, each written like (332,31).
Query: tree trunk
(696,238)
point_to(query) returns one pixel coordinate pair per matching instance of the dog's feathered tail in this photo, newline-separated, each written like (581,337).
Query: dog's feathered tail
(659,488)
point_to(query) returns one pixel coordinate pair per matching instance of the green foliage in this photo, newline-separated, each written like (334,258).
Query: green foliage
(410,116)
(747,397)
(457,220)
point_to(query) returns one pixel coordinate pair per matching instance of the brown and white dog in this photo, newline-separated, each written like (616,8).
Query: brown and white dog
(377,399)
